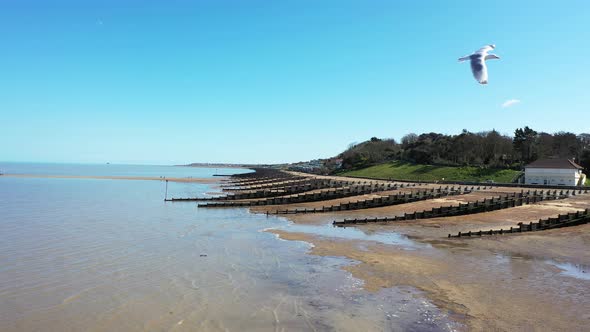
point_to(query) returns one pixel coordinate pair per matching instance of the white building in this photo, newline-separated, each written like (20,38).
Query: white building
(554,172)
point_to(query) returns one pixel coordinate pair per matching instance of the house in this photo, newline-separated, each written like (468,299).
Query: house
(554,172)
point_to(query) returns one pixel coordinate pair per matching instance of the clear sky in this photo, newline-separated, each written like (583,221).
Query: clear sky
(277,81)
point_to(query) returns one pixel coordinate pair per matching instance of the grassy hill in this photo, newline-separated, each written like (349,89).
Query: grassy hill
(406,171)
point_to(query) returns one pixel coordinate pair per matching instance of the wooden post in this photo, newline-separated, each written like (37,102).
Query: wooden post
(166,194)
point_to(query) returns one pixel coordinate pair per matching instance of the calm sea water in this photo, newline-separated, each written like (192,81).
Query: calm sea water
(110,255)
(115,170)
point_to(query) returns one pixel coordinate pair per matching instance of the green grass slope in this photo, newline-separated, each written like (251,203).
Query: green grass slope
(406,171)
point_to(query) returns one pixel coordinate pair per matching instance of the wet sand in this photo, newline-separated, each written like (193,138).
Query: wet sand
(538,281)
(143,178)
(487,288)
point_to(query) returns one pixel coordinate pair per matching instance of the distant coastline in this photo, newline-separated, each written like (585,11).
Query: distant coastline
(100,177)
(220,165)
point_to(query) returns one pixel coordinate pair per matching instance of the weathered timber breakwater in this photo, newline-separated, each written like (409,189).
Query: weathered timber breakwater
(486,205)
(394,199)
(562,220)
(281,190)
(337,192)
(271,187)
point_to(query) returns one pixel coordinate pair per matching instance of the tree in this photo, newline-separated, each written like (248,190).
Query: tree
(545,145)
(566,145)
(370,152)
(524,144)
(408,140)
(584,141)
(497,149)
(585,161)
(485,149)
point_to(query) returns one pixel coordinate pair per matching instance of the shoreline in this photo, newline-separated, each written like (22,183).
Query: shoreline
(218,166)
(485,283)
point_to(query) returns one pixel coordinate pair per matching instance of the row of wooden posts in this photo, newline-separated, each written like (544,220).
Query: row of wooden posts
(296,182)
(486,205)
(269,185)
(331,193)
(297,189)
(264,182)
(287,190)
(272,192)
(394,199)
(563,220)
(260,174)
(312,183)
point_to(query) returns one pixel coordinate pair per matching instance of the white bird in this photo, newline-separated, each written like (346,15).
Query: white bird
(478,62)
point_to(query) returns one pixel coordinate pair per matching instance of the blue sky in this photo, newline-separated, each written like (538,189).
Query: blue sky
(171,82)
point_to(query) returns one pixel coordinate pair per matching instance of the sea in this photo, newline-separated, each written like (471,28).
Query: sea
(82,254)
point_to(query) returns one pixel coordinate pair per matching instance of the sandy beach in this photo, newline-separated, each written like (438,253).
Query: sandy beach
(497,283)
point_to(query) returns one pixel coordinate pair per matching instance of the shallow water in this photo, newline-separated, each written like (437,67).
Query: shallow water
(352,233)
(577,271)
(115,170)
(96,255)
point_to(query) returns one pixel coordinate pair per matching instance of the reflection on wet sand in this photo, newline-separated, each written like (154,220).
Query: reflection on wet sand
(472,284)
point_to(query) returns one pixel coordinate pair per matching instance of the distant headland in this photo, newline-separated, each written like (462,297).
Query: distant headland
(224,165)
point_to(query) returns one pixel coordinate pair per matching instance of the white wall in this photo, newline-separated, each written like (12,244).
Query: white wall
(552,176)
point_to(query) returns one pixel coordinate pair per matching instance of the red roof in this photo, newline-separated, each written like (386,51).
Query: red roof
(554,163)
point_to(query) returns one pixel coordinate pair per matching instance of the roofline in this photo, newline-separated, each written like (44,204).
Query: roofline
(571,162)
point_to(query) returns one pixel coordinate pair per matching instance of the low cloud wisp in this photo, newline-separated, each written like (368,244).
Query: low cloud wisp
(510,102)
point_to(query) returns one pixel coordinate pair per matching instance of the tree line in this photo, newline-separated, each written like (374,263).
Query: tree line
(485,149)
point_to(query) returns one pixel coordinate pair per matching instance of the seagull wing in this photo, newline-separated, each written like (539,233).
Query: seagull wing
(465,58)
(484,50)
(479,69)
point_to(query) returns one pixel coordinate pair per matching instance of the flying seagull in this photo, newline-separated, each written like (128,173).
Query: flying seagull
(478,62)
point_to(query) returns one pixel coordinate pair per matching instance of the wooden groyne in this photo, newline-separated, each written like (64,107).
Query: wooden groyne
(260,173)
(486,205)
(563,220)
(262,182)
(288,184)
(286,190)
(237,181)
(389,200)
(310,197)
(272,192)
